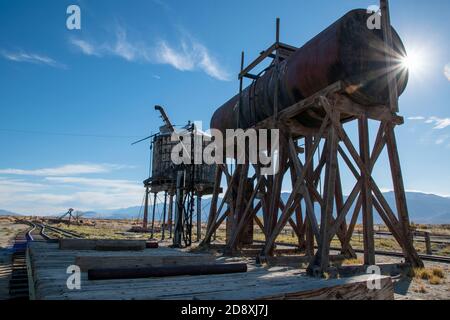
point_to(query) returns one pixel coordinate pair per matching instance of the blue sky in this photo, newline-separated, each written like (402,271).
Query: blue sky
(72,101)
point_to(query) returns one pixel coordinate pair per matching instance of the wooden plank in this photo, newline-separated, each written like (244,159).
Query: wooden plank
(127,261)
(104,245)
(49,281)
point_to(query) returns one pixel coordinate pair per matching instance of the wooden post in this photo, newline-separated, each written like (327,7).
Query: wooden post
(153,216)
(170,215)
(321,259)
(199,217)
(400,197)
(309,235)
(179,210)
(163,225)
(145,221)
(366,193)
(428,242)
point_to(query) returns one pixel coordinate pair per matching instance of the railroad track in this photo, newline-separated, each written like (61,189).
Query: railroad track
(426,257)
(18,283)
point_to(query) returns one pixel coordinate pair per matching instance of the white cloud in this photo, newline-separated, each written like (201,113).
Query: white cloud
(31,58)
(85,47)
(447,71)
(189,55)
(441,139)
(69,169)
(98,183)
(44,195)
(439,123)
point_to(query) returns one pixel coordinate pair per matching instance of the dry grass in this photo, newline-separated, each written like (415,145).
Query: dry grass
(435,280)
(434,276)
(348,262)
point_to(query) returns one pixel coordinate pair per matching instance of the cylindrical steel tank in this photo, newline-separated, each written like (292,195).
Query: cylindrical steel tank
(347,50)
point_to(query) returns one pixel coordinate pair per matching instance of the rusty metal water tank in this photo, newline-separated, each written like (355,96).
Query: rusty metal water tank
(164,171)
(163,175)
(347,50)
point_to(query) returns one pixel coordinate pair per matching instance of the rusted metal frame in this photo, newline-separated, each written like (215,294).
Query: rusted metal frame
(366,193)
(243,218)
(321,259)
(400,197)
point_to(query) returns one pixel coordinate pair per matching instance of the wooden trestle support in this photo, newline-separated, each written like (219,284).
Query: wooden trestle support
(335,148)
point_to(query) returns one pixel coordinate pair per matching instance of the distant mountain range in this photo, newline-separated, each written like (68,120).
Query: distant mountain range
(7,213)
(423,208)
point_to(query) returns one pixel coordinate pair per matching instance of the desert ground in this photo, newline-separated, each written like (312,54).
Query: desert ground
(431,283)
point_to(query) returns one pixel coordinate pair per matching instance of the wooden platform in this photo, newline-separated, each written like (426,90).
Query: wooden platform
(48,267)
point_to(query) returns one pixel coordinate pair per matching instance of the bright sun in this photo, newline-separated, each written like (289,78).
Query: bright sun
(415,62)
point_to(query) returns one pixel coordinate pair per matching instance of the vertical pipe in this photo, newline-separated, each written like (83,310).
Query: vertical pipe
(179,208)
(163,225)
(145,221)
(388,46)
(199,217)
(153,215)
(170,214)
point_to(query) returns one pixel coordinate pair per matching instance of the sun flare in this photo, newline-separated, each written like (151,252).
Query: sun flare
(415,62)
